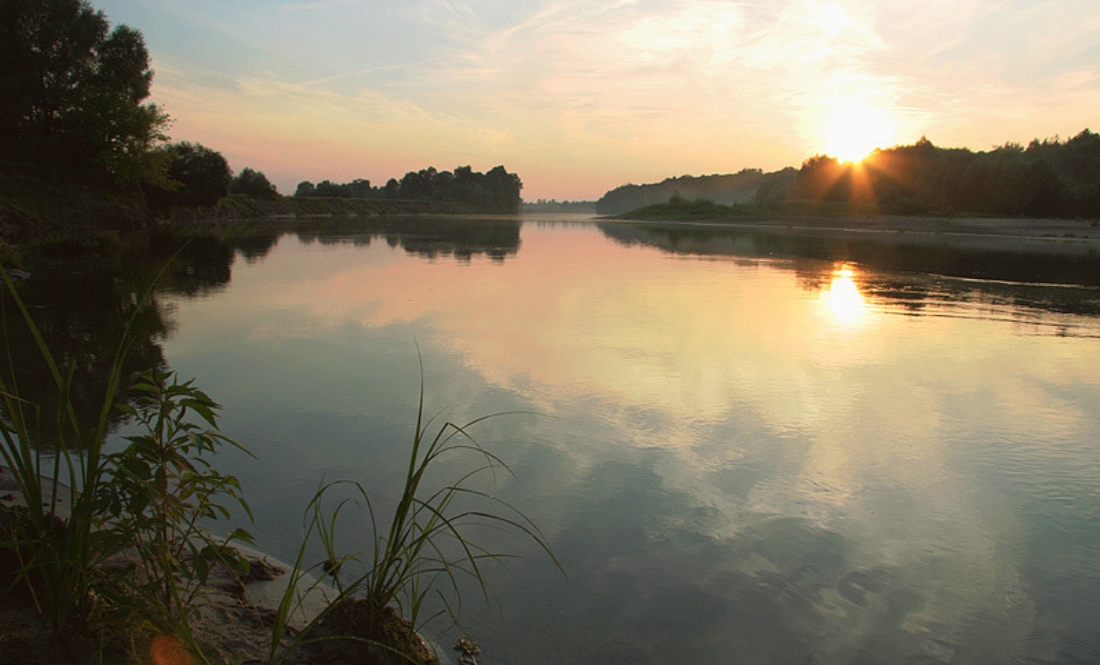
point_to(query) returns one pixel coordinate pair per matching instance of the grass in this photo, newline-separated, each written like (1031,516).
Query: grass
(57,565)
(130,557)
(418,555)
(133,554)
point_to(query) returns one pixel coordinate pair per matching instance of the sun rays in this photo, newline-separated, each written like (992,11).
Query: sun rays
(853,129)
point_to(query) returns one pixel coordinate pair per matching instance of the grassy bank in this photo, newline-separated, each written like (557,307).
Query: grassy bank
(131,541)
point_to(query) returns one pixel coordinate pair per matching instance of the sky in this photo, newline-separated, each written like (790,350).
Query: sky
(579,97)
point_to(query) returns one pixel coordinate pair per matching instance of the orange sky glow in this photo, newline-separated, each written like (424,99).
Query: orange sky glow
(581,97)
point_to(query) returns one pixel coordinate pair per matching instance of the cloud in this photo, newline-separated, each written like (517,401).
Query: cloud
(631,90)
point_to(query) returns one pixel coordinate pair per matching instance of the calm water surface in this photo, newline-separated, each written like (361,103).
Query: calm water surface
(740,455)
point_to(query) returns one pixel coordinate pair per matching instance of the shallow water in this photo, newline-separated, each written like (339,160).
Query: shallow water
(739,450)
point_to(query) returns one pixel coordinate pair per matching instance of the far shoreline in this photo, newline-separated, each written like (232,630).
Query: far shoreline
(1030,235)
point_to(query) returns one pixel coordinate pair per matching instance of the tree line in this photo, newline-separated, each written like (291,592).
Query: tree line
(1049,178)
(495,191)
(73,107)
(727,189)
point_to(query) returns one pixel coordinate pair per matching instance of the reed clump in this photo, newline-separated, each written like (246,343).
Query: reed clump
(418,560)
(113,551)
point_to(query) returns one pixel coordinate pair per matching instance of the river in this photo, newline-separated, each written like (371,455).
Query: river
(740,448)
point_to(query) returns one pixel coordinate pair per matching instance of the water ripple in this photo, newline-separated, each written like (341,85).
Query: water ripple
(1042,648)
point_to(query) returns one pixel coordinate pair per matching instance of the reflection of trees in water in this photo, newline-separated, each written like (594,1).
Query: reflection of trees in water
(83,307)
(82,313)
(196,265)
(86,308)
(912,275)
(430,237)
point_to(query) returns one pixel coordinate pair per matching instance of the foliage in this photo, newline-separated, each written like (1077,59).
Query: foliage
(728,189)
(1050,178)
(419,554)
(253,183)
(497,191)
(777,187)
(68,553)
(135,549)
(58,567)
(71,89)
(161,486)
(553,205)
(680,208)
(198,177)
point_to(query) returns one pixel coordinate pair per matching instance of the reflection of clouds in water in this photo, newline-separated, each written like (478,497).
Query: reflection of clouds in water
(777,589)
(723,444)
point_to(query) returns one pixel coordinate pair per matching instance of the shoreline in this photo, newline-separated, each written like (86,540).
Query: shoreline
(233,614)
(1037,236)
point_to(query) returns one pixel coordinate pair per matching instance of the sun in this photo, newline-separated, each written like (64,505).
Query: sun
(852,130)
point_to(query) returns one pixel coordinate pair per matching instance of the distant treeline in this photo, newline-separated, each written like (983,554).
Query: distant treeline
(728,189)
(497,191)
(1049,178)
(554,205)
(81,145)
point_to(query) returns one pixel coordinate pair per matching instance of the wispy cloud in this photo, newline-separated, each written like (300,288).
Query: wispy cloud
(623,89)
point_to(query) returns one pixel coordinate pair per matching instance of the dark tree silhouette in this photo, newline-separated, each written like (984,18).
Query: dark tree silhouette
(253,183)
(497,191)
(1050,178)
(200,177)
(71,89)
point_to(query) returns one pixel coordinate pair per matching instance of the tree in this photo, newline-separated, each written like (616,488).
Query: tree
(329,189)
(199,177)
(71,89)
(359,188)
(253,183)
(824,178)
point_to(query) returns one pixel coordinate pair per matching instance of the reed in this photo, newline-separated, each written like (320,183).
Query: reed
(134,550)
(131,553)
(422,551)
(57,554)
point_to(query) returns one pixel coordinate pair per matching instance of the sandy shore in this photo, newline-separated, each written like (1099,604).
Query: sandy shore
(234,616)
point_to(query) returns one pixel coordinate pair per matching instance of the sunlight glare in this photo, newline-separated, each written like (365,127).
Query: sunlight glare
(832,19)
(853,130)
(845,300)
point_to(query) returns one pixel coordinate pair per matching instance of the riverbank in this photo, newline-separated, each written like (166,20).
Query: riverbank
(233,617)
(1058,236)
(88,217)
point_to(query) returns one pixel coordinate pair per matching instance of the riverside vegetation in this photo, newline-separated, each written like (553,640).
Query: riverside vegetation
(1050,178)
(83,154)
(118,553)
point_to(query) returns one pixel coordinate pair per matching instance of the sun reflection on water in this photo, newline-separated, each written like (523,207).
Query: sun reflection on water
(846,303)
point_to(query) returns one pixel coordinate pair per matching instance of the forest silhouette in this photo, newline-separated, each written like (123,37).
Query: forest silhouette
(1049,178)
